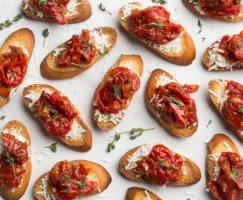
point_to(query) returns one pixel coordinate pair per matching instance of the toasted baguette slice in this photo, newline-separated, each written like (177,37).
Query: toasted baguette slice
(133,62)
(220,143)
(217,88)
(21,38)
(191,175)
(84,12)
(135,193)
(18,192)
(98,174)
(81,144)
(149,94)
(191,7)
(50,70)
(187,53)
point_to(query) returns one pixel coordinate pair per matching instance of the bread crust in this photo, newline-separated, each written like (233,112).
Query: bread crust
(22,37)
(149,93)
(217,145)
(18,192)
(215,87)
(137,66)
(101,174)
(85,142)
(136,193)
(192,175)
(184,57)
(190,6)
(84,12)
(50,70)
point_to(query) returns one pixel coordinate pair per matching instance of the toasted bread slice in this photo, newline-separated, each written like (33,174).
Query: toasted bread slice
(191,175)
(50,70)
(83,12)
(21,38)
(82,144)
(149,94)
(189,5)
(98,174)
(218,87)
(135,193)
(18,192)
(133,62)
(187,53)
(220,143)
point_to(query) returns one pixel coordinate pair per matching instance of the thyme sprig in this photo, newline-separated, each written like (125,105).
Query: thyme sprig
(8,22)
(102,8)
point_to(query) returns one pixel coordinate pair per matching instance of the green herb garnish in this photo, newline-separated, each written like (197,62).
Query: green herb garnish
(42,1)
(240,110)
(2,117)
(210,122)
(173,100)
(160,1)
(8,158)
(77,65)
(233,174)
(203,39)
(117,91)
(159,25)
(102,8)
(52,147)
(45,34)
(64,178)
(200,26)
(8,22)
(81,184)
(66,191)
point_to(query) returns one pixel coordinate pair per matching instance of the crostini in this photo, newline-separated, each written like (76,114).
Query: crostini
(135,193)
(15,55)
(72,180)
(153,27)
(159,165)
(227,97)
(171,104)
(15,162)
(113,95)
(224,169)
(79,53)
(58,116)
(223,9)
(59,11)
(225,54)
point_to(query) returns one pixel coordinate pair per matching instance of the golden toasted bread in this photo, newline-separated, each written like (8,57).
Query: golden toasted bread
(50,70)
(83,12)
(218,87)
(135,193)
(21,38)
(82,144)
(232,18)
(133,62)
(149,94)
(187,53)
(98,173)
(18,192)
(191,175)
(219,143)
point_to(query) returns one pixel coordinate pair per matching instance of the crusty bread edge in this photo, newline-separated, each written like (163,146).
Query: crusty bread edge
(132,193)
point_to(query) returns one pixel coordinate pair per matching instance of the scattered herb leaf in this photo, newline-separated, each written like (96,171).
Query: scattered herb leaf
(77,65)
(240,110)
(102,8)
(173,100)
(81,184)
(210,122)
(52,147)
(200,26)
(8,22)
(66,191)
(2,117)
(45,34)
(203,39)
(64,178)
(233,174)
(117,91)
(160,1)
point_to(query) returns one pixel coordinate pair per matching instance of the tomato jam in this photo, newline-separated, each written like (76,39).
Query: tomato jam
(232,47)
(69,181)
(220,8)
(55,9)
(233,105)
(118,88)
(229,184)
(161,166)
(174,103)
(55,112)
(79,50)
(153,24)
(13,66)
(14,155)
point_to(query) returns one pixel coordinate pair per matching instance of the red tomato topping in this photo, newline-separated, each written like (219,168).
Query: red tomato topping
(78,50)
(15,154)
(161,166)
(233,105)
(55,9)
(69,181)
(119,86)
(55,112)
(175,104)
(229,184)
(13,66)
(153,23)
(220,8)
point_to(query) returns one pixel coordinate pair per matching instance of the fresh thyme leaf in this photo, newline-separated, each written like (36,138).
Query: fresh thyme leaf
(9,22)
(52,111)
(233,174)
(160,162)
(210,122)
(200,26)
(173,100)
(172,166)
(45,34)
(18,17)
(2,117)
(77,65)
(117,91)
(8,158)
(231,101)
(160,1)
(240,110)
(237,46)
(66,191)
(159,25)
(52,147)
(64,178)
(102,8)
(203,39)
(42,1)
(81,184)
(86,46)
